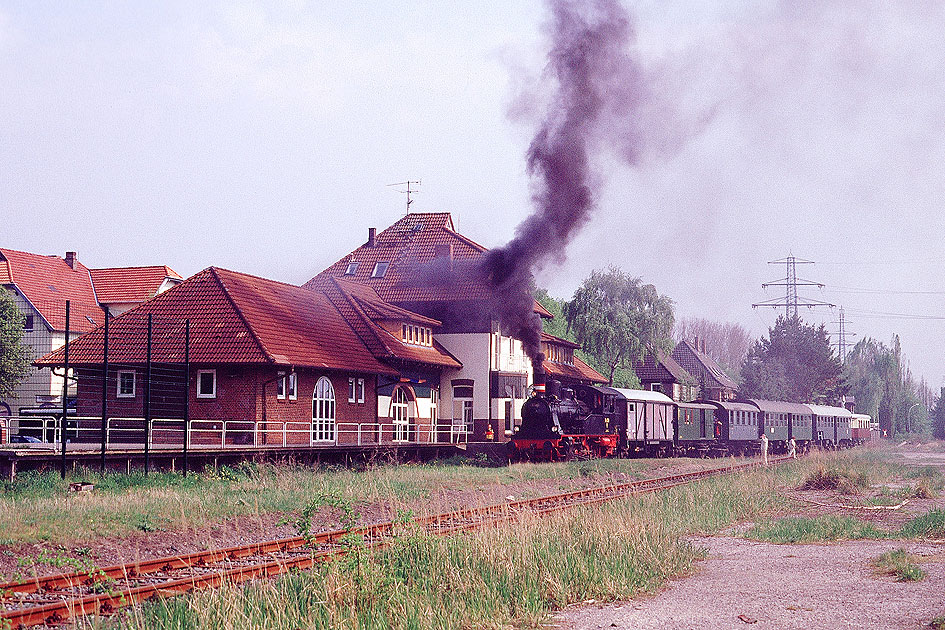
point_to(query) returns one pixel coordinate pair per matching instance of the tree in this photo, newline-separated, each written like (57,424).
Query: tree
(795,363)
(616,318)
(885,389)
(14,355)
(938,416)
(726,342)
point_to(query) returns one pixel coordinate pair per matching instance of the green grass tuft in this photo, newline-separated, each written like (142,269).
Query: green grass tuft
(900,563)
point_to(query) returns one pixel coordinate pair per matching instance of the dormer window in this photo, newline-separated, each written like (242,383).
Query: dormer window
(380,269)
(416,335)
(352,269)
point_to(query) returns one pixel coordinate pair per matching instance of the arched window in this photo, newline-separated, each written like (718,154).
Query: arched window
(400,414)
(323,411)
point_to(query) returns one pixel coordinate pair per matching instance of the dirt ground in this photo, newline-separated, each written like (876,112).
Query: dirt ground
(264,527)
(744,583)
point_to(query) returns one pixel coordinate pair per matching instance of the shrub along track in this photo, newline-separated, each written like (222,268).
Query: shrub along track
(57,598)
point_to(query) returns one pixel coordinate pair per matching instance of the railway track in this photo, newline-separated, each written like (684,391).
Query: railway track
(55,599)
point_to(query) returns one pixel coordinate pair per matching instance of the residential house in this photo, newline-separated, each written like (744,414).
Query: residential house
(41,285)
(714,383)
(659,372)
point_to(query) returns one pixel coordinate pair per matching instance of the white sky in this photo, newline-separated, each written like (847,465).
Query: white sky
(261,138)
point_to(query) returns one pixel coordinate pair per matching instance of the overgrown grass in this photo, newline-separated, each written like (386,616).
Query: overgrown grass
(844,481)
(38,507)
(504,577)
(817,529)
(900,563)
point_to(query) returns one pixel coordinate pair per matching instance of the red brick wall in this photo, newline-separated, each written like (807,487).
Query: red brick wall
(243,394)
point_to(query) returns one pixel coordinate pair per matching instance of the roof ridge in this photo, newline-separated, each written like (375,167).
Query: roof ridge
(239,312)
(359,311)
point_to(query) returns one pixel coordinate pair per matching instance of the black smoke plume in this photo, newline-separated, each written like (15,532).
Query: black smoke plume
(594,79)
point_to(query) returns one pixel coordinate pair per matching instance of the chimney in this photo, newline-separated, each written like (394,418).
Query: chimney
(71,259)
(371,235)
(703,345)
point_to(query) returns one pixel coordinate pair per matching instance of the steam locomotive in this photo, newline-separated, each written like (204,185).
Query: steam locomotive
(566,423)
(583,421)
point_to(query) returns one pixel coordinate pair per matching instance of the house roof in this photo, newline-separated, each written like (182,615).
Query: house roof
(699,364)
(545,337)
(47,282)
(661,369)
(427,261)
(123,285)
(234,318)
(580,371)
(362,308)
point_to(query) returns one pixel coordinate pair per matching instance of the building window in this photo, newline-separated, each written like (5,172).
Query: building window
(355,390)
(323,411)
(280,386)
(206,383)
(380,269)
(416,335)
(352,269)
(292,386)
(126,384)
(400,414)
(656,387)
(28,323)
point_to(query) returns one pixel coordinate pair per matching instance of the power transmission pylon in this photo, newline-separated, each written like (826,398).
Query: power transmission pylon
(842,338)
(791,282)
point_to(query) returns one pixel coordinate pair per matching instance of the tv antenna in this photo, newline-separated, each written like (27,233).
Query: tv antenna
(409,191)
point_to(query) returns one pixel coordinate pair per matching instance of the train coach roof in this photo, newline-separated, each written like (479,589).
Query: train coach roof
(824,410)
(733,406)
(696,405)
(777,406)
(642,395)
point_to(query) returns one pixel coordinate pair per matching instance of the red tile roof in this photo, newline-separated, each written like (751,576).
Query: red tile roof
(418,270)
(124,285)
(362,307)
(580,371)
(235,319)
(47,282)
(547,338)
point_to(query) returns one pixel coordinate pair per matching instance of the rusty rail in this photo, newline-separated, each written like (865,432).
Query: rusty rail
(57,598)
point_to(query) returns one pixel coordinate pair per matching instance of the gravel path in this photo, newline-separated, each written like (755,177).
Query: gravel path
(782,586)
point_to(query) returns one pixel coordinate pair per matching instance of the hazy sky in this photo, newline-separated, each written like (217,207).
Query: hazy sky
(261,139)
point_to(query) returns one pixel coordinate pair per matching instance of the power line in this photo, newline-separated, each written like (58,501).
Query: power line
(790,283)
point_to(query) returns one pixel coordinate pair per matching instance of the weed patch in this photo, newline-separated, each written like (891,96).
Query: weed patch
(844,481)
(928,525)
(899,563)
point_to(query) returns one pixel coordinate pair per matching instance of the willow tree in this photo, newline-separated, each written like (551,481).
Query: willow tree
(617,319)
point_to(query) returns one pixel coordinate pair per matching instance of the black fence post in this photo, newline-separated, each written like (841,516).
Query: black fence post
(186,390)
(63,424)
(147,403)
(105,390)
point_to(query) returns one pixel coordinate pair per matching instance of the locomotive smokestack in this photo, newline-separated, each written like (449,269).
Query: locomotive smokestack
(538,375)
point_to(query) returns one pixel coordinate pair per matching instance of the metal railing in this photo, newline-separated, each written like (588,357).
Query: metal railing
(129,432)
